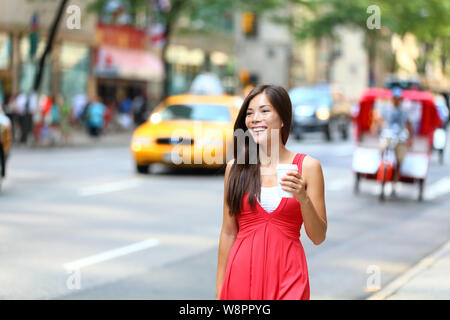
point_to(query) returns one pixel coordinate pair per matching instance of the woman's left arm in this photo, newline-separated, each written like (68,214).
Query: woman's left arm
(308,189)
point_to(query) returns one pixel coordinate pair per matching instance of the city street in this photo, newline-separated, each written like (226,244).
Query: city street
(79,223)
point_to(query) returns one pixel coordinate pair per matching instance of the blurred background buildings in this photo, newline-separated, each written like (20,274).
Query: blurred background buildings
(125,48)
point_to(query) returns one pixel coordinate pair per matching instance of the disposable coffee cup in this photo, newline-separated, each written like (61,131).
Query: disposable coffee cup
(282,170)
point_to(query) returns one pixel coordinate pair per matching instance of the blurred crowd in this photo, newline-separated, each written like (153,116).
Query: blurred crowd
(53,120)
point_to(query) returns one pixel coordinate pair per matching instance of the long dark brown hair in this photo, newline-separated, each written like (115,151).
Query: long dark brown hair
(244,176)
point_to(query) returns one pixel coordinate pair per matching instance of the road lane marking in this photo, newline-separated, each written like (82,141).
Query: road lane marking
(109,187)
(111,254)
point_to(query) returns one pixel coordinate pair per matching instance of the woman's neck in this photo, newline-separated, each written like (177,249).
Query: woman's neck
(268,157)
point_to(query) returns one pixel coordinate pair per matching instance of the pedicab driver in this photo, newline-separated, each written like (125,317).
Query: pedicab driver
(392,123)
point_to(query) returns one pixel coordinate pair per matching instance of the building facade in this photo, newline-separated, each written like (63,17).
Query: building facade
(263,49)
(24,29)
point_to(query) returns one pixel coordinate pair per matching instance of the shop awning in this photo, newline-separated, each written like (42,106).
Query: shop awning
(112,62)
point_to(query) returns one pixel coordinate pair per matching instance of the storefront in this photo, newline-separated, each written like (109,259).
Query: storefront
(29,67)
(124,66)
(186,63)
(75,63)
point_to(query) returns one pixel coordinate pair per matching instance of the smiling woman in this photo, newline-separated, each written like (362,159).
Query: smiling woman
(260,253)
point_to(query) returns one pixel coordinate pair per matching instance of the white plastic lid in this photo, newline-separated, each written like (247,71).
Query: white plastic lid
(287,166)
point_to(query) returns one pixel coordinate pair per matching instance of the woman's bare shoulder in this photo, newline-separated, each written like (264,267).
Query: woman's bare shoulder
(311,163)
(311,168)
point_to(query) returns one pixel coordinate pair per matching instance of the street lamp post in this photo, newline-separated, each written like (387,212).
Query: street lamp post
(37,79)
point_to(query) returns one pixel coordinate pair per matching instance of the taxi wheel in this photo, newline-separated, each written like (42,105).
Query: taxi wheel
(421,185)
(142,168)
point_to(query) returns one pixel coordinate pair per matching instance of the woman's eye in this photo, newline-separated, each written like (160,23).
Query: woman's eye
(264,111)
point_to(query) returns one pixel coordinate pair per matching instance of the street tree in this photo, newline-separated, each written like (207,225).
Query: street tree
(203,16)
(427,20)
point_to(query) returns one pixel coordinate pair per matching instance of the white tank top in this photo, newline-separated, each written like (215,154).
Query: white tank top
(269,198)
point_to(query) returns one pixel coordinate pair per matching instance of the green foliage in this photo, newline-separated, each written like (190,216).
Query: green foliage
(428,20)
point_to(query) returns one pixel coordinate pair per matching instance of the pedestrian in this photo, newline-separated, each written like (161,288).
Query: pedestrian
(20,111)
(139,108)
(79,104)
(95,117)
(260,254)
(125,109)
(11,114)
(66,127)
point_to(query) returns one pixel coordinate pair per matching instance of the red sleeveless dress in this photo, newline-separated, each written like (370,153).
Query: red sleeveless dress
(267,260)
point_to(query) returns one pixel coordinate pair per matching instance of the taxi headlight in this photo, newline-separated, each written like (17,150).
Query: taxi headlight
(155,118)
(137,143)
(323,114)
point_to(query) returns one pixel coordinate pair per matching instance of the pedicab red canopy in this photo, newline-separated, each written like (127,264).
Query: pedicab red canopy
(429,120)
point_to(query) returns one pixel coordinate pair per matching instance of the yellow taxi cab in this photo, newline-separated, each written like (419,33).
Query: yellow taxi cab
(5,142)
(187,131)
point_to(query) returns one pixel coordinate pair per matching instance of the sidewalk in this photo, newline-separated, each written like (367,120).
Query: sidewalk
(109,139)
(428,280)
(80,139)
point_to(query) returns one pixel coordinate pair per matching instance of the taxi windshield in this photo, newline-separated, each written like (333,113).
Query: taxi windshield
(204,112)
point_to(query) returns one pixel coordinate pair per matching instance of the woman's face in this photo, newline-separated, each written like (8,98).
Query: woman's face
(261,118)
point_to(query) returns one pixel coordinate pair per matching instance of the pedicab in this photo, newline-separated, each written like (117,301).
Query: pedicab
(372,163)
(440,134)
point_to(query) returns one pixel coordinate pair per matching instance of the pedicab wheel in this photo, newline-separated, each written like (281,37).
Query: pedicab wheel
(381,197)
(143,169)
(441,156)
(421,185)
(357,181)
(383,182)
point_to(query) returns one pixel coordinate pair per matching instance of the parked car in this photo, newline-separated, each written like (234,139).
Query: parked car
(5,142)
(319,108)
(186,131)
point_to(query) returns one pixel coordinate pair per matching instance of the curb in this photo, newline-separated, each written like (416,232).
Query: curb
(403,279)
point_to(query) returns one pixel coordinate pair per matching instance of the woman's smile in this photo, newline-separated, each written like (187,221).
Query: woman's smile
(258,129)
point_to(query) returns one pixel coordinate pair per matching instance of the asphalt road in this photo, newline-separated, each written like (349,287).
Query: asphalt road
(79,223)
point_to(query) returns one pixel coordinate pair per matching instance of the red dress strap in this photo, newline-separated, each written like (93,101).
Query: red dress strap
(298,160)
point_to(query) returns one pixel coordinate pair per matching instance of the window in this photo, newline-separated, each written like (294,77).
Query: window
(203,112)
(5,51)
